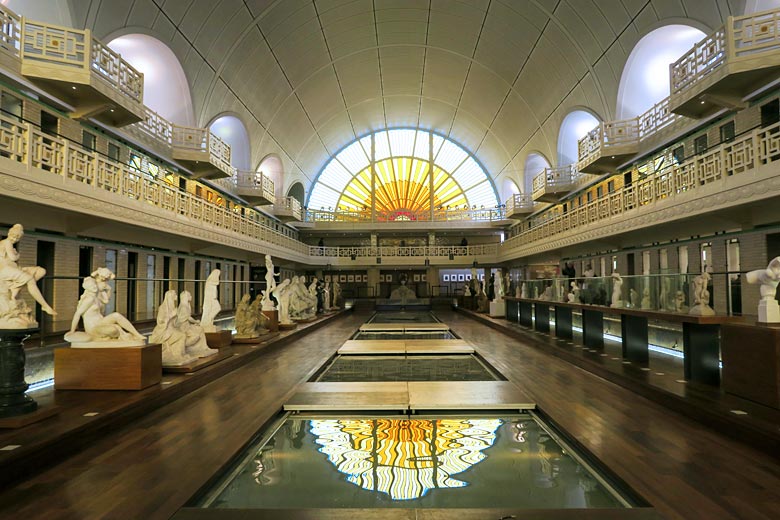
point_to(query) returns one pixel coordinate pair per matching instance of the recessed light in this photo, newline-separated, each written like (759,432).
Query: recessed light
(73,87)
(702,101)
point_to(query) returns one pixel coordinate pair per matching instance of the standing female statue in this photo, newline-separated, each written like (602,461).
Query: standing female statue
(211,306)
(14,313)
(113,328)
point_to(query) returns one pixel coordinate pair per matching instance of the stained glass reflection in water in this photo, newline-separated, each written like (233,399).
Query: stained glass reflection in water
(417,463)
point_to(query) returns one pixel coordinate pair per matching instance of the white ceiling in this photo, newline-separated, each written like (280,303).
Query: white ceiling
(308,76)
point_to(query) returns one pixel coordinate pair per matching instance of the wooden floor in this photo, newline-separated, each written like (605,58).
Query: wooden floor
(150,468)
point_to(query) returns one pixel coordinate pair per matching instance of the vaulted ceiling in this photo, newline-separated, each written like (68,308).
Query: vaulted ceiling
(309,76)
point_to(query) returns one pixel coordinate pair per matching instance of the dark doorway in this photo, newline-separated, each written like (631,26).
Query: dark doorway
(44,257)
(630,262)
(180,275)
(166,275)
(197,296)
(132,274)
(85,264)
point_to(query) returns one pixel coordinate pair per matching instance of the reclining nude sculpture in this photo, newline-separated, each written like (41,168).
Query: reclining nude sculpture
(113,330)
(182,338)
(14,312)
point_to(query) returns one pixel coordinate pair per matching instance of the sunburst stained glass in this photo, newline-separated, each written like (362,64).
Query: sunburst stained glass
(396,177)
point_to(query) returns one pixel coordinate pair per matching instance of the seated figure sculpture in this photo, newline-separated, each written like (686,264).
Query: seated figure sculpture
(282,294)
(701,296)
(769,278)
(14,312)
(113,330)
(248,319)
(302,305)
(403,293)
(182,338)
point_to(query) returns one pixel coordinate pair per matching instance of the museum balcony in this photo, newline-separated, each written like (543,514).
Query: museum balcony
(608,146)
(519,205)
(74,67)
(721,70)
(403,255)
(554,183)
(729,181)
(288,209)
(254,187)
(202,152)
(439,218)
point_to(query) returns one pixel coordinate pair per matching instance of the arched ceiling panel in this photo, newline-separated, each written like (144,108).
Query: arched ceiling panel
(308,76)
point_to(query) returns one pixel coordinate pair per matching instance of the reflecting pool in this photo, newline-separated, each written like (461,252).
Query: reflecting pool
(356,368)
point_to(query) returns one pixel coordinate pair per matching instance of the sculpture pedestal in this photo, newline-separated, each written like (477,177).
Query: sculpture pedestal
(198,364)
(751,361)
(768,311)
(701,309)
(497,309)
(273,320)
(287,326)
(13,399)
(219,339)
(113,368)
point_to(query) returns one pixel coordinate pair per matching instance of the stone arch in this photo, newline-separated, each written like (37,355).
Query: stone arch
(535,162)
(231,129)
(574,127)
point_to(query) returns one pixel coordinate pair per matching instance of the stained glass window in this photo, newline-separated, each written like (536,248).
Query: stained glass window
(395,166)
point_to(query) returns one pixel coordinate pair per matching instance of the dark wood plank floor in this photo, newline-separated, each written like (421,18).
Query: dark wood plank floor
(150,468)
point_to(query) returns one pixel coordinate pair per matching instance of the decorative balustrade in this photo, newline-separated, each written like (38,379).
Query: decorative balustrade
(26,144)
(519,205)
(288,209)
(552,183)
(437,215)
(603,148)
(203,152)
(743,45)
(404,251)
(10,32)
(154,131)
(759,147)
(111,68)
(254,187)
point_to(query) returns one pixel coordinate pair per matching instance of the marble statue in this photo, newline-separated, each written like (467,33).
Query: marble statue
(548,294)
(402,292)
(679,302)
(633,297)
(536,293)
(646,303)
(498,287)
(483,303)
(666,290)
(768,308)
(336,295)
(113,330)
(574,295)
(326,296)
(524,290)
(467,290)
(561,290)
(270,283)
(282,293)
(518,291)
(507,284)
(182,338)
(302,304)
(617,290)
(211,306)
(701,296)
(247,319)
(14,312)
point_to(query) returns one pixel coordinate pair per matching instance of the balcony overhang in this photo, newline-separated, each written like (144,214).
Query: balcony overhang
(598,164)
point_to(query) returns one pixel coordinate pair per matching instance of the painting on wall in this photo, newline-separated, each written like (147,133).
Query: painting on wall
(468,277)
(424,277)
(350,278)
(461,278)
(446,278)
(365,278)
(342,278)
(327,277)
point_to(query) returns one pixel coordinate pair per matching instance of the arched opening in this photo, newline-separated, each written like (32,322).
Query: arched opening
(534,164)
(296,191)
(56,12)
(645,79)
(574,127)
(508,188)
(753,6)
(273,168)
(166,90)
(232,130)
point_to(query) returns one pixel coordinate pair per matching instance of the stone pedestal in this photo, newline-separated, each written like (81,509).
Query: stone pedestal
(123,368)
(219,339)
(273,320)
(497,309)
(13,399)
(751,361)
(768,311)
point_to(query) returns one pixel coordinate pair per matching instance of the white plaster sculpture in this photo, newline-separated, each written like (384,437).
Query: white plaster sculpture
(701,296)
(507,284)
(113,330)
(282,293)
(617,290)
(483,304)
(182,338)
(561,289)
(536,293)
(498,287)
(646,303)
(211,306)
(679,302)
(247,319)
(633,297)
(524,290)
(302,304)
(574,295)
(768,308)
(336,295)
(466,290)
(326,296)
(548,294)
(14,312)
(270,284)
(313,288)
(666,293)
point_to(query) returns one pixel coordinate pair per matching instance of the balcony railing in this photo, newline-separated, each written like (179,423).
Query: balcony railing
(604,147)
(438,215)
(25,143)
(746,46)
(254,187)
(204,153)
(519,205)
(552,183)
(404,251)
(718,165)
(10,34)
(119,74)
(288,209)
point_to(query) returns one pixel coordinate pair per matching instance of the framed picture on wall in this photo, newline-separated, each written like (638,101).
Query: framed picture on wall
(365,278)
(381,278)
(445,278)
(342,278)
(468,277)
(327,277)
(424,277)
(417,278)
(482,278)
(350,278)
(461,278)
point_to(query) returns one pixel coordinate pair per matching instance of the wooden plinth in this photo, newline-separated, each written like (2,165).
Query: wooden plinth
(256,340)
(287,326)
(116,368)
(219,339)
(306,320)
(751,362)
(20,421)
(273,320)
(198,364)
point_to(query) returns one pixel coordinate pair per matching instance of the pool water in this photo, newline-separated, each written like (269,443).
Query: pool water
(359,368)
(418,334)
(446,462)
(403,317)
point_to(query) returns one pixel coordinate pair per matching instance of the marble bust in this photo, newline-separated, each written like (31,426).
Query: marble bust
(769,278)
(113,330)
(211,306)
(14,312)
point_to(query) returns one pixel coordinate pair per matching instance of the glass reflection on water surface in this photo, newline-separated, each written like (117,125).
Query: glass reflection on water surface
(417,463)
